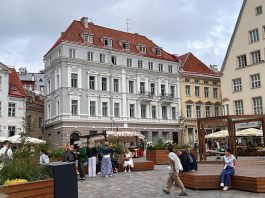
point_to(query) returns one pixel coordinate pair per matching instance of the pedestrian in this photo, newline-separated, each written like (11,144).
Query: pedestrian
(114,162)
(6,154)
(228,170)
(175,167)
(92,159)
(106,166)
(44,158)
(70,155)
(184,159)
(128,162)
(81,157)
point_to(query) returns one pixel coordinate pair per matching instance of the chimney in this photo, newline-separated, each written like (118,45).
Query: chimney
(214,67)
(84,21)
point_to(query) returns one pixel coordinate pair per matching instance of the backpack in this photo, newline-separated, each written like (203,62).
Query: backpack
(5,157)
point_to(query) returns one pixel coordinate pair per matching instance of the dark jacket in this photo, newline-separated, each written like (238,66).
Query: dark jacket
(92,152)
(185,161)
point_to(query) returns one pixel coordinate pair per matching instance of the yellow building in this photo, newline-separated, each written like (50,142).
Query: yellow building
(200,95)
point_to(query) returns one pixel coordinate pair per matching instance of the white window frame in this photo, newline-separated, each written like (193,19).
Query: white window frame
(102,58)
(258,10)
(90,56)
(150,65)
(88,38)
(255,81)
(104,87)
(74,81)
(170,69)
(255,57)
(92,83)
(153,112)
(198,111)
(237,85)
(114,60)
(140,64)
(242,61)
(72,53)
(160,67)
(129,62)
(187,90)
(107,42)
(116,110)
(173,113)
(104,109)
(253,35)
(215,93)
(143,110)
(116,85)
(164,112)
(142,49)
(189,110)
(131,87)
(132,110)
(207,111)
(12,109)
(257,105)
(239,107)
(206,92)
(197,91)
(72,107)
(92,112)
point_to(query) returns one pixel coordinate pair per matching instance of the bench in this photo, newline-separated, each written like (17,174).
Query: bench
(208,177)
(138,165)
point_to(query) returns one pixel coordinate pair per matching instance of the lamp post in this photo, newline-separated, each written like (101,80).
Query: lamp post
(182,126)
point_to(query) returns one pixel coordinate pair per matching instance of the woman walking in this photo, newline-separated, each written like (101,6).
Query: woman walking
(229,169)
(106,166)
(92,159)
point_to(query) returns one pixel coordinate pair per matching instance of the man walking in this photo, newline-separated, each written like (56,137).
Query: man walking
(6,153)
(175,167)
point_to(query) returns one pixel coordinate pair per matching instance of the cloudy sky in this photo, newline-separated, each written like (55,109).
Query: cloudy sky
(30,27)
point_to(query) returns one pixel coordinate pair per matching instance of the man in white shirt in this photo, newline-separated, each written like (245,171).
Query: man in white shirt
(175,167)
(6,153)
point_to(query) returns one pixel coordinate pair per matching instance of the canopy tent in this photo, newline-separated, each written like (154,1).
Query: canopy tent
(30,140)
(249,132)
(122,136)
(2,139)
(219,134)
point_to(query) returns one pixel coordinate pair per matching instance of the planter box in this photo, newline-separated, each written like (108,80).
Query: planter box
(43,189)
(159,157)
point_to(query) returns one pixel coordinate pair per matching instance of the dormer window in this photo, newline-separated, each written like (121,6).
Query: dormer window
(107,42)
(88,38)
(126,46)
(142,49)
(158,51)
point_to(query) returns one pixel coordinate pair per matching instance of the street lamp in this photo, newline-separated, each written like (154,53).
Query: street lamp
(182,126)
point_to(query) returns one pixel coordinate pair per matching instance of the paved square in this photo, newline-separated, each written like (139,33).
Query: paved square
(146,184)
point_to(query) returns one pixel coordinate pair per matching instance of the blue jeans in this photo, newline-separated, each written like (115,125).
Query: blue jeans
(226,175)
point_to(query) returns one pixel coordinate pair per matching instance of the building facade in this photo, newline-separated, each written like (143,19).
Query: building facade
(200,94)
(33,82)
(12,102)
(244,67)
(103,79)
(34,115)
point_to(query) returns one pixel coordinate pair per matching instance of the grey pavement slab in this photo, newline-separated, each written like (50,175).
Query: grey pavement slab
(147,184)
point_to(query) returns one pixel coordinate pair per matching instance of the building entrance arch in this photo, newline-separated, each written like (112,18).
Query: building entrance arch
(74,136)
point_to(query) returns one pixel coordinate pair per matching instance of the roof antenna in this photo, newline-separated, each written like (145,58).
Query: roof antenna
(128,24)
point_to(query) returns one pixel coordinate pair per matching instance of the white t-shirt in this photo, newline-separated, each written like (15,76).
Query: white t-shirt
(176,160)
(9,152)
(230,161)
(44,159)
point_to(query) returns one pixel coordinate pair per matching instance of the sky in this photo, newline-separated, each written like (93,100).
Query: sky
(29,28)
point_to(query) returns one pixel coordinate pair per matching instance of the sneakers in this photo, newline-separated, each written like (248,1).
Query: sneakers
(183,193)
(166,191)
(129,170)
(225,188)
(222,184)
(125,171)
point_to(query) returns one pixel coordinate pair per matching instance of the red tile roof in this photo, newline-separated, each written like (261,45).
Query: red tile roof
(15,85)
(75,30)
(192,65)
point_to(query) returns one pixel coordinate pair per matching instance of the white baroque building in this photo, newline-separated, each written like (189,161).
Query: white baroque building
(98,79)
(12,102)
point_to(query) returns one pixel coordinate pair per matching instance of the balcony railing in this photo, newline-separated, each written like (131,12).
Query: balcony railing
(166,98)
(146,96)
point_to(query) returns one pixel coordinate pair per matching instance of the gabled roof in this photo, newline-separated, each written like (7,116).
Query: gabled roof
(76,29)
(4,67)
(16,88)
(233,35)
(190,64)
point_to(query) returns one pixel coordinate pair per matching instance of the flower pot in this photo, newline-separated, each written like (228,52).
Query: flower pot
(159,157)
(42,188)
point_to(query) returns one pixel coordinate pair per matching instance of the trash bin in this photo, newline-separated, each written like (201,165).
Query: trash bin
(65,179)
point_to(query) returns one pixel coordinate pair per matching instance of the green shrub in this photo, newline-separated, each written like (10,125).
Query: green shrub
(27,168)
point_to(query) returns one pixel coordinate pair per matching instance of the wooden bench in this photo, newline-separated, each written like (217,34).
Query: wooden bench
(138,165)
(249,177)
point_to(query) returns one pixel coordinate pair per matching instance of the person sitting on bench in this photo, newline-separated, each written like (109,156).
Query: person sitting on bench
(228,170)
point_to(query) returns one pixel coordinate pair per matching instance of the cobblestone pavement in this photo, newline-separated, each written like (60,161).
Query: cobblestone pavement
(146,184)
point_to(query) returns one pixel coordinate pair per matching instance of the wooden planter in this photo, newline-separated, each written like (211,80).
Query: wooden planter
(159,157)
(37,189)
